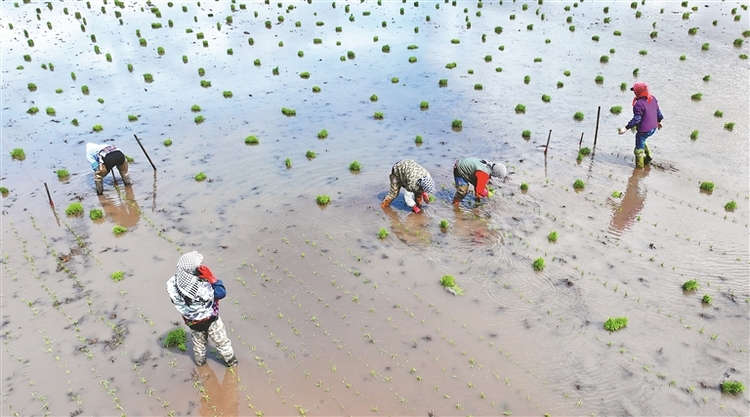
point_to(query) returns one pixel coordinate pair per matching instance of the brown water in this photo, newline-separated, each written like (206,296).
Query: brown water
(325,317)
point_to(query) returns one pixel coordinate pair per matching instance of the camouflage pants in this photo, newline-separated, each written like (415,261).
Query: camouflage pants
(218,334)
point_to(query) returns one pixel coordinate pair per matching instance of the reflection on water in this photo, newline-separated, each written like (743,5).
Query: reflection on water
(412,229)
(122,211)
(469,226)
(219,398)
(632,203)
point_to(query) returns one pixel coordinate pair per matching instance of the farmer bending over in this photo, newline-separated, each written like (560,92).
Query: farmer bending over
(476,172)
(415,180)
(103,158)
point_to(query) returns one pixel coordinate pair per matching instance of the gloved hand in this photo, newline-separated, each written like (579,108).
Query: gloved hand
(205,273)
(425,197)
(416,209)
(659,125)
(622,131)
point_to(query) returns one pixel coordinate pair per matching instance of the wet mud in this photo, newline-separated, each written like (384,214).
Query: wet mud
(327,317)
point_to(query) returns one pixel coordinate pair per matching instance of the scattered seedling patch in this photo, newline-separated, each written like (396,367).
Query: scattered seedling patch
(322,200)
(707,186)
(614,324)
(117,276)
(62,173)
(730,206)
(449,283)
(96,214)
(176,338)
(201,176)
(251,140)
(74,209)
(355,166)
(538,264)
(690,285)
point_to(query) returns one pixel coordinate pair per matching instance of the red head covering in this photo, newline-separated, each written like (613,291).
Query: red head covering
(640,90)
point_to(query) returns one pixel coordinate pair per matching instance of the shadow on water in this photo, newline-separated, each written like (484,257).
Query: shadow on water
(626,212)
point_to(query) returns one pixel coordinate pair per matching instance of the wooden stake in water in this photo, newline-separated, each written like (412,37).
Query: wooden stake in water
(114,179)
(48,195)
(596,132)
(546,147)
(580,142)
(144,152)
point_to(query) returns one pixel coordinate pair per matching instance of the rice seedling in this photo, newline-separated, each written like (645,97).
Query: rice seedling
(288,163)
(478,86)
(444,224)
(530,27)
(251,140)
(33,110)
(443,82)
(599,79)
(718,113)
(355,166)
(148,77)
(694,135)
(696,97)
(199,119)
(96,214)
(604,59)
(552,237)
(378,115)
(227,94)
(62,173)
(256,62)
(732,387)
(450,65)
(142,42)
(412,59)
(526,134)
(418,140)
(449,283)
(385,48)
(616,194)
(4,191)
(614,324)
(578,116)
(560,84)
(572,28)
(501,48)
(310,154)
(538,264)
(690,285)
(498,69)
(456,123)
(738,42)
(31,86)
(167,142)
(382,233)
(707,186)
(595,38)
(373,98)
(706,299)
(201,176)
(615,109)
(323,134)
(250,41)
(304,75)
(74,209)
(100,100)
(97,128)
(288,112)
(74,122)
(729,126)
(617,33)
(85,89)
(579,185)
(520,108)
(27,57)
(705,46)
(176,338)
(424,105)
(117,276)
(526,79)
(322,200)
(230,51)
(730,206)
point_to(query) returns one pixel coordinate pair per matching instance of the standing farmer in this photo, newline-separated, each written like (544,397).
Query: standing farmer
(103,158)
(647,118)
(476,172)
(195,292)
(414,179)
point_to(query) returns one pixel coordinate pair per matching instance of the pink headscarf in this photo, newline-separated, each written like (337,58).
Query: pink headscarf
(641,90)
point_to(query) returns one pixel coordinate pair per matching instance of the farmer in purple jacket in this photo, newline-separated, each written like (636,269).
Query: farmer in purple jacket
(647,118)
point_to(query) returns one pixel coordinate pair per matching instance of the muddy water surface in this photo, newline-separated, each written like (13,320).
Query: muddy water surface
(325,317)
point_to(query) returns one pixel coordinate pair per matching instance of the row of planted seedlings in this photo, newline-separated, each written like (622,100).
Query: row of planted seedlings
(371,336)
(705,300)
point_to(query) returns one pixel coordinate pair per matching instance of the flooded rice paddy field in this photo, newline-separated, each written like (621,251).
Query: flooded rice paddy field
(327,318)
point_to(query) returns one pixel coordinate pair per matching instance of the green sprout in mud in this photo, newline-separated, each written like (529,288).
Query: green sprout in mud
(304,75)
(227,94)
(74,209)
(526,79)
(4,191)
(478,87)
(732,387)
(317,41)
(117,276)
(696,97)
(132,118)
(418,140)
(199,119)
(729,126)
(578,185)
(196,108)
(615,109)
(552,237)
(167,142)
(526,134)
(288,112)
(322,200)
(33,110)
(451,65)
(524,186)
(706,299)
(315,89)
(355,166)
(96,214)
(118,230)
(704,47)
(62,173)
(690,285)
(578,116)
(200,176)
(176,338)
(31,87)
(546,98)
(310,154)
(694,135)
(520,108)
(323,134)
(148,77)
(251,140)
(730,206)
(457,123)
(288,163)
(74,122)
(538,264)
(424,105)
(378,115)
(382,233)
(599,79)
(707,186)
(616,194)
(449,283)
(614,324)
(205,83)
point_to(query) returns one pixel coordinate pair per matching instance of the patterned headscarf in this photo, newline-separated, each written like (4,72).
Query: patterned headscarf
(497,170)
(427,184)
(640,90)
(187,282)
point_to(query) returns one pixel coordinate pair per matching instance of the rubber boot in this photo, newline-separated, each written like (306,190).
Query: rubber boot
(386,202)
(640,156)
(126,179)
(647,159)
(231,361)
(99,187)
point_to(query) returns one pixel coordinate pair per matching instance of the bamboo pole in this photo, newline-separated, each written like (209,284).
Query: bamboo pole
(144,152)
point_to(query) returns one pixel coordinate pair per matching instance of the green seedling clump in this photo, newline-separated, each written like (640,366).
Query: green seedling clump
(148,77)
(251,140)
(117,276)
(200,176)
(585,151)
(520,108)
(97,128)
(546,98)
(538,264)
(578,116)
(616,194)
(62,173)
(96,214)
(694,135)
(732,387)
(74,122)
(730,206)
(323,134)
(706,299)
(205,83)
(696,96)
(378,115)
(599,79)
(310,154)
(304,75)
(552,237)
(322,200)
(443,82)
(478,86)
(33,110)
(288,112)
(614,324)
(615,109)
(199,119)
(195,108)
(4,191)
(444,224)
(526,134)
(524,186)
(394,80)
(355,166)
(729,126)
(382,233)
(18,153)
(424,105)
(227,94)
(449,283)
(132,118)
(74,209)
(579,185)
(418,140)
(450,65)
(315,89)
(373,97)
(176,338)
(457,123)
(288,163)
(31,87)
(707,186)
(690,285)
